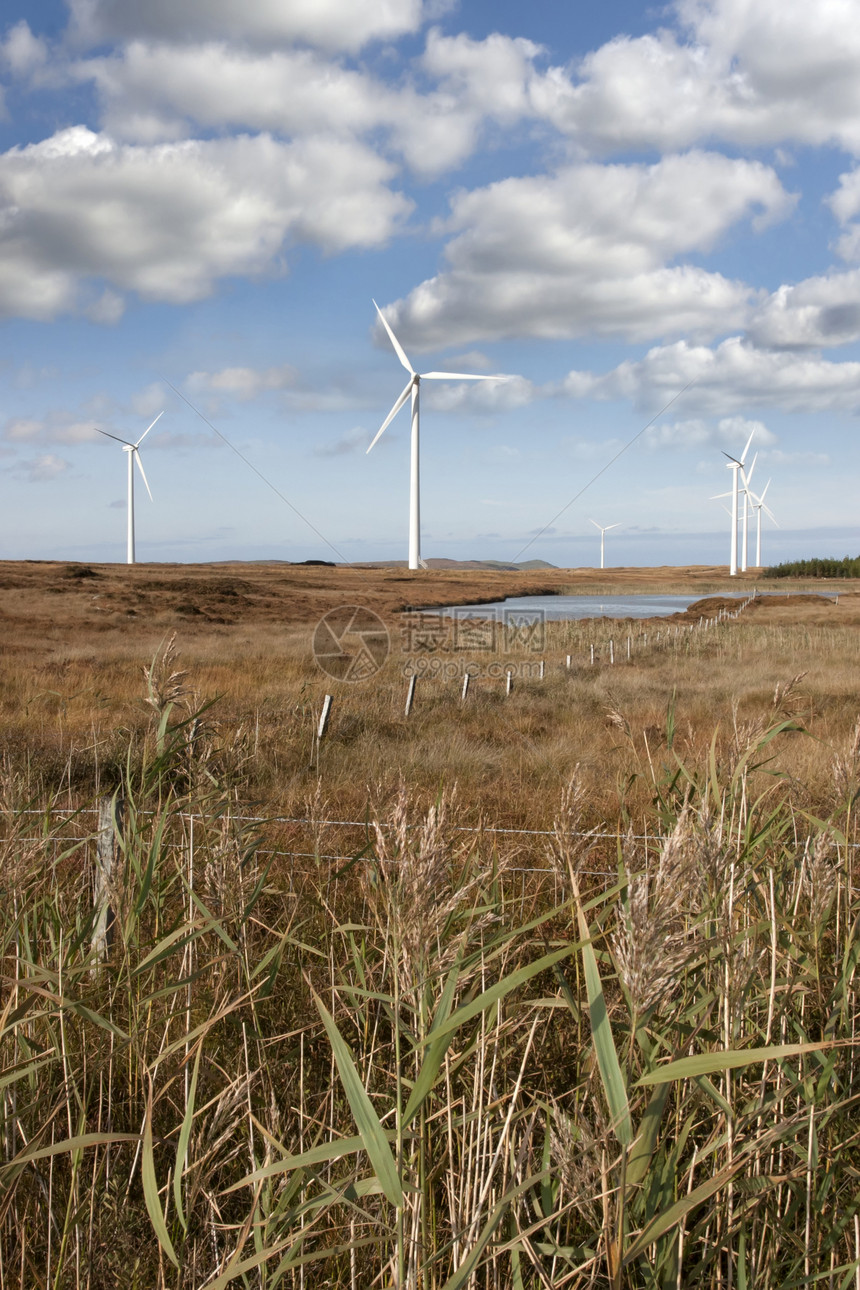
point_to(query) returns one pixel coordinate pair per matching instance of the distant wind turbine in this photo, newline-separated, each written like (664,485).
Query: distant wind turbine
(133,450)
(736,465)
(758,507)
(413,387)
(604,529)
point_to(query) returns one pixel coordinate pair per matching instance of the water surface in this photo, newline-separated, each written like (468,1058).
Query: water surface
(571,608)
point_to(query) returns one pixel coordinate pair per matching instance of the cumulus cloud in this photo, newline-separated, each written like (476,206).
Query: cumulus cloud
(353,441)
(38,470)
(51,429)
(729,432)
(748,72)
(588,250)
(245,383)
(726,379)
(818,312)
(328,24)
(167,222)
(21,51)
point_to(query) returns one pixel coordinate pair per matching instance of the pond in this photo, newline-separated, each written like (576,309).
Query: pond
(571,608)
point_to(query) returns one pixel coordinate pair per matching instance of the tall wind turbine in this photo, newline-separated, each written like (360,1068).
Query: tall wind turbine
(413,387)
(758,507)
(747,476)
(735,466)
(604,529)
(133,450)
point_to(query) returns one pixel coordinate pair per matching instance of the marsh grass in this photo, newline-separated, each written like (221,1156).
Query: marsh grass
(620,1052)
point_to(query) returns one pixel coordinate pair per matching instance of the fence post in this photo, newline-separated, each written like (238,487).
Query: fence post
(109,829)
(509,681)
(465,687)
(410,693)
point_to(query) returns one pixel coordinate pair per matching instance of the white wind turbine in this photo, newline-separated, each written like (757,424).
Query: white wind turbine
(604,529)
(758,507)
(735,466)
(413,387)
(747,476)
(133,450)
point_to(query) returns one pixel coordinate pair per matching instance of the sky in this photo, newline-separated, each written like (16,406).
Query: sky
(647,219)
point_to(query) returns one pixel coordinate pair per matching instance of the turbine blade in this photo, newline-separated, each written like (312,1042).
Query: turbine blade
(143,473)
(731,458)
(746,450)
(457,376)
(717,496)
(748,474)
(596,525)
(764,491)
(148,428)
(393,413)
(613,526)
(116,438)
(396,343)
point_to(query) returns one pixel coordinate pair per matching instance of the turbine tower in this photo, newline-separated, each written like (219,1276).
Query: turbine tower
(735,466)
(133,450)
(413,387)
(604,529)
(758,507)
(747,476)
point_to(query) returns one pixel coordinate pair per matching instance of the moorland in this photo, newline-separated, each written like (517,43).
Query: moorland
(571,1000)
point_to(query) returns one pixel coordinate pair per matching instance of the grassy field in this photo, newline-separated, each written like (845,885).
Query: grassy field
(572,1001)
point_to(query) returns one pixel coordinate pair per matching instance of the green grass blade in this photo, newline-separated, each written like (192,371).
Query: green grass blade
(326,1151)
(497,992)
(611,1074)
(150,1189)
(367,1121)
(725,1060)
(182,1144)
(436,1050)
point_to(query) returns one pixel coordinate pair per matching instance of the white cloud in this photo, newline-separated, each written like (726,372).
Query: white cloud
(151,92)
(21,51)
(727,379)
(480,396)
(168,221)
(45,467)
(245,383)
(353,441)
(329,24)
(817,312)
(52,429)
(751,72)
(587,250)
(697,433)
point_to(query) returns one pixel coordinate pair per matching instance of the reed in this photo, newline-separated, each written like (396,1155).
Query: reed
(418,1067)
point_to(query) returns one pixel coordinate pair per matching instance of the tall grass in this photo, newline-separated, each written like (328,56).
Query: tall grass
(409,1069)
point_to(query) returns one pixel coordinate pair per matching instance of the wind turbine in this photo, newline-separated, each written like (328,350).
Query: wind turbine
(747,476)
(758,507)
(133,450)
(413,387)
(734,466)
(604,529)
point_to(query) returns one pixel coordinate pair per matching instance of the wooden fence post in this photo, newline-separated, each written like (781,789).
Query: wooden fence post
(110,828)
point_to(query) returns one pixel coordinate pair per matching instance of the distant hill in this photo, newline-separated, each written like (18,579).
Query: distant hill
(498,566)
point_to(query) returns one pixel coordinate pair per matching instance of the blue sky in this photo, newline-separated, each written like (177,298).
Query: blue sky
(606,203)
